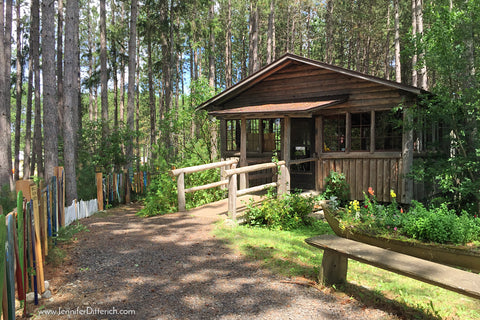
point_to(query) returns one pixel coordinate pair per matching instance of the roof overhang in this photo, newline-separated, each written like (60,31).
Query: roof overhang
(277,109)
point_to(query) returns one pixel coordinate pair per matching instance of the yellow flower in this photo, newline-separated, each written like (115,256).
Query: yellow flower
(392,194)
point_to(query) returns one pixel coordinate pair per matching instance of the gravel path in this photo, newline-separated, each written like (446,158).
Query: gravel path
(173,267)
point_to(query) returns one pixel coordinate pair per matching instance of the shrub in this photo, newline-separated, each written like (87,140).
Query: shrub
(336,186)
(286,212)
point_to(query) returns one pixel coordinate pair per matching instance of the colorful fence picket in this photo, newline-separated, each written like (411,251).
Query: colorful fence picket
(112,188)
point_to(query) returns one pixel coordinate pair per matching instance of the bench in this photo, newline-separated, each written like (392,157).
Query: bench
(338,250)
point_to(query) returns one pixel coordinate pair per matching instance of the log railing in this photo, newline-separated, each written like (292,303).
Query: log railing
(233,193)
(180,174)
(229,177)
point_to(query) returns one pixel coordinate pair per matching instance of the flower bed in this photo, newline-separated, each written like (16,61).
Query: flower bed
(433,234)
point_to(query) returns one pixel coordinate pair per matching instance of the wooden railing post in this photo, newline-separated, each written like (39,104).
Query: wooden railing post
(283,180)
(232,194)
(181,192)
(99,178)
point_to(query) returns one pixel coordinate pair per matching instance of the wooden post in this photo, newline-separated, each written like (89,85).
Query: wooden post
(181,192)
(24,186)
(59,173)
(43,219)
(407,158)
(334,268)
(36,233)
(348,133)
(232,195)
(287,133)
(318,150)
(99,179)
(243,152)
(372,131)
(282,181)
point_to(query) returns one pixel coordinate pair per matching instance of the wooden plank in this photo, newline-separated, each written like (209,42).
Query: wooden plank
(394,175)
(10,266)
(99,179)
(373,174)
(207,186)
(366,175)
(346,172)
(353,182)
(359,178)
(24,186)
(36,233)
(3,239)
(379,189)
(361,155)
(449,278)
(386,180)
(203,167)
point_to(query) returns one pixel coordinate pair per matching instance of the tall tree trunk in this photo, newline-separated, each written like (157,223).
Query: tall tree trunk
(122,71)
(211,44)
(137,107)
(329,32)
(37,158)
(6,177)
(50,110)
(422,78)
(271,33)
(151,92)
(254,64)
(386,72)
(18,93)
(228,46)
(60,66)
(113,48)
(131,78)
(91,49)
(28,121)
(103,69)
(71,103)
(398,67)
(414,34)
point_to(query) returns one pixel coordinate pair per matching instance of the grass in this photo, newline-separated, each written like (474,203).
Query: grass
(286,253)
(56,253)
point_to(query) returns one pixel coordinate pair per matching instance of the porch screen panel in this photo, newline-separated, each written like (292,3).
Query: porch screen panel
(334,130)
(360,140)
(272,131)
(253,135)
(388,131)
(233,135)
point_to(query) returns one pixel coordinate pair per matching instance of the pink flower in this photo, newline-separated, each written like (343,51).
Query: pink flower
(395,228)
(370,190)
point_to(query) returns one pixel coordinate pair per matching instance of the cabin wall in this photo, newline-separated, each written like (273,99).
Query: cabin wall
(382,174)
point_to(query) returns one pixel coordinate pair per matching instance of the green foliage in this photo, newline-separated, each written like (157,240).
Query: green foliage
(285,212)
(436,224)
(161,196)
(336,186)
(7,199)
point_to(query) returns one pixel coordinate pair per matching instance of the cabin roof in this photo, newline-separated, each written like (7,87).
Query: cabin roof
(284,108)
(214,103)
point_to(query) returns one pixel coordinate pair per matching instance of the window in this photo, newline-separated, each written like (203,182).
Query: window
(334,133)
(388,131)
(253,135)
(360,140)
(272,131)
(233,135)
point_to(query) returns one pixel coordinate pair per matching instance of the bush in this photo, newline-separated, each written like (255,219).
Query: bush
(161,196)
(286,212)
(336,186)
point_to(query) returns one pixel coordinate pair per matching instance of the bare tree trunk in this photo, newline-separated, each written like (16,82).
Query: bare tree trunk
(37,159)
(328,32)
(28,116)
(60,97)
(19,93)
(398,67)
(72,89)
(414,34)
(91,49)
(50,107)
(270,35)
(228,46)
(386,72)
(6,177)
(254,64)
(113,48)
(151,93)
(122,72)
(137,108)
(211,43)
(131,78)
(103,69)
(423,79)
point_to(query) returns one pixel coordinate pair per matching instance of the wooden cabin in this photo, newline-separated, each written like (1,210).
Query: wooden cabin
(319,117)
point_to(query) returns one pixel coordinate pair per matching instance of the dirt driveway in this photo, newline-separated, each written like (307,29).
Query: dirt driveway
(173,267)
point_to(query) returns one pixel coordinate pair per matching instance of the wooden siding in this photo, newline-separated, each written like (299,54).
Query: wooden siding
(303,82)
(382,174)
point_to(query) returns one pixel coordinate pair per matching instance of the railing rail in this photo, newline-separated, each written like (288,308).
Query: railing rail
(180,174)
(229,177)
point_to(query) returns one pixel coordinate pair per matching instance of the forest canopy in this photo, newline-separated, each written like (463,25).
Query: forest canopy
(115,83)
